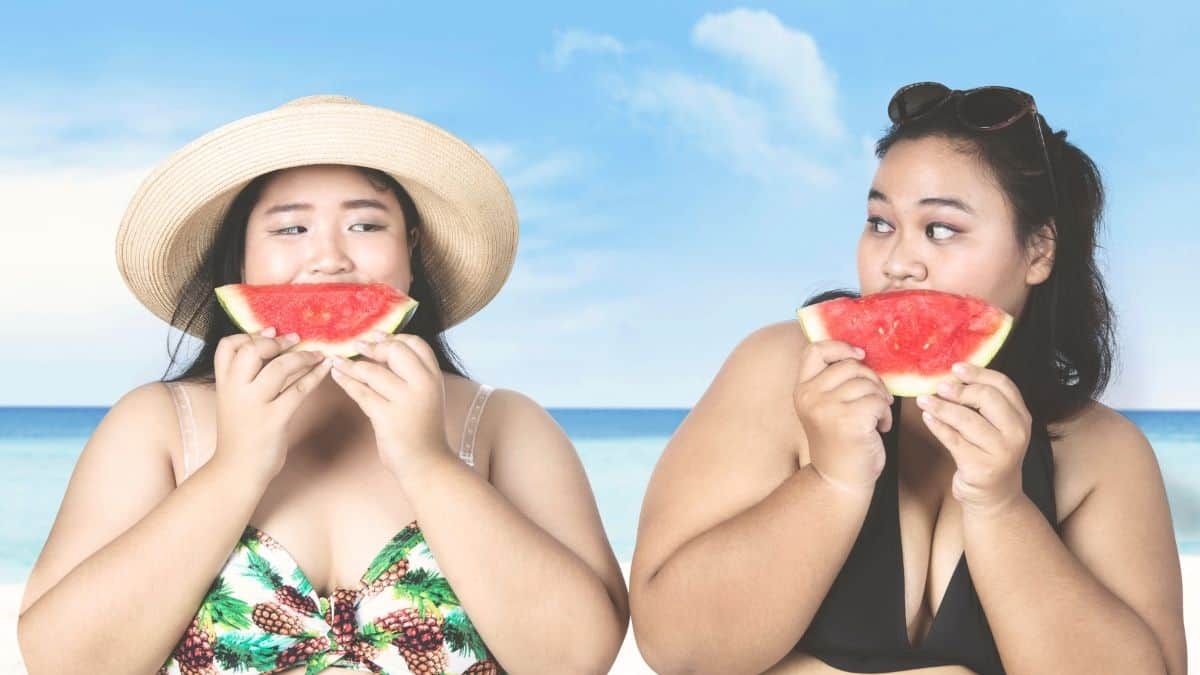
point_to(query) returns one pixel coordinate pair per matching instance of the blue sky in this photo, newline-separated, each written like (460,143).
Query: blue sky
(685,172)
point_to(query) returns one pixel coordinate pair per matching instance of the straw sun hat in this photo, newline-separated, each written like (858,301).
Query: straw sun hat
(468,219)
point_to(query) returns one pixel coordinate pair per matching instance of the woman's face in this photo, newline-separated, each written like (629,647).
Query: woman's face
(936,220)
(326,223)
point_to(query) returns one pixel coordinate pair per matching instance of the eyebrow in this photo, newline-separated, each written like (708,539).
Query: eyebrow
(346,205)
(933,201)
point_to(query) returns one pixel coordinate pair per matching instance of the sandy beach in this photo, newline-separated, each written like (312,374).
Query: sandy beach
(629,661)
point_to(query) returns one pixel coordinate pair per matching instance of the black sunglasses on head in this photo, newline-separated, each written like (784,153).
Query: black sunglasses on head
(983,109)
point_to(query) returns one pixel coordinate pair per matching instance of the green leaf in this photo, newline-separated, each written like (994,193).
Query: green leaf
(426,589)
(225,608)
(461,636)
(261,570)
(378,637)
(317,663)
(395,550)
(302,583)
(257,651)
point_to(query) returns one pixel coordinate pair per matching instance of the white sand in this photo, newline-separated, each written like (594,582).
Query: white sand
(629,661)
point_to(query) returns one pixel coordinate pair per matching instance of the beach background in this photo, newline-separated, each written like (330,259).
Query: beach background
(38,447)
(685,172)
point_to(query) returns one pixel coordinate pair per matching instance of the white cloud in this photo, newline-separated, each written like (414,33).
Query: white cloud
(782,57)
(499,153)
(104,124)
(727,125)
(546,171)
(784,128)
(574,41)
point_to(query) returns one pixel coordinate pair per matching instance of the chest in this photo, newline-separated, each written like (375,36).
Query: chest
(334,505)
(931,529)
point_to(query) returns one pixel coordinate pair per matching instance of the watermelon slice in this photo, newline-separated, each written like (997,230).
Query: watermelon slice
(327,317)
(912,337)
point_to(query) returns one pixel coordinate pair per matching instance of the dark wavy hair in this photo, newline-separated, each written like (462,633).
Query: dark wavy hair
(222,264)
(1062,347)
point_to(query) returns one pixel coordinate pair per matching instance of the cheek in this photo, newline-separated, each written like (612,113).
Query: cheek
(990,272)
(389,264)
(266,264)
(870,266)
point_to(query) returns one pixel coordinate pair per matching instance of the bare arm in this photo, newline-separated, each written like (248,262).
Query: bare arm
(730,523)
(1108,596)
(122,567)
(526,553)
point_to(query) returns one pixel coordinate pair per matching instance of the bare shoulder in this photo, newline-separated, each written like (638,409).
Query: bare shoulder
(123,471)
(1097,445)
(761,369)
(150,408)
(512,415)
(771,345)
(1122,529)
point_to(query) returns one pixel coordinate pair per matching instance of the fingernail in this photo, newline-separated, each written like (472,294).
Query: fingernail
(944,388)
(269,331)
(960,368)
(860,352)
(922,401)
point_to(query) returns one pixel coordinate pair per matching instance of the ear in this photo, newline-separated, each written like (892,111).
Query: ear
(1042,249)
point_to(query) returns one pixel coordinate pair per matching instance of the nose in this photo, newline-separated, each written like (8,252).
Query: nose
(327,256)
(903,263)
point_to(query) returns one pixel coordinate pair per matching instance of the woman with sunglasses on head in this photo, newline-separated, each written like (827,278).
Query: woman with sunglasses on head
(804,520)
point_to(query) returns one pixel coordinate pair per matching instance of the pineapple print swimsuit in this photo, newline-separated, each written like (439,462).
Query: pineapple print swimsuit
(860,625)
(262,615)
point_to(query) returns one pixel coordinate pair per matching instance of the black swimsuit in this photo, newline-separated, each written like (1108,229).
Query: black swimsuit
(860,626)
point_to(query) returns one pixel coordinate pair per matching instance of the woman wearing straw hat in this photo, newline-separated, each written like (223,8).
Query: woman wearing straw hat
(253,515)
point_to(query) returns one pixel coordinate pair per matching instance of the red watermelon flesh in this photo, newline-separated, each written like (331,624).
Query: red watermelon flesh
(912,337)
(328,317)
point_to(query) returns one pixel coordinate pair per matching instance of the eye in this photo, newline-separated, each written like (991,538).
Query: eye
(371,225)
(875,221)
(931,228)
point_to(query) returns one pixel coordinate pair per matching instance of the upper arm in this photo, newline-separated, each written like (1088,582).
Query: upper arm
(123,471)
(535,466)
(740,441)
(1122,531)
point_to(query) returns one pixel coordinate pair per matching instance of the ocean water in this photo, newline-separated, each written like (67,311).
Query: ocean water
(39,447)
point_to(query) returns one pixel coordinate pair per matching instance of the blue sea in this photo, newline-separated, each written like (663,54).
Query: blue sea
(39,446)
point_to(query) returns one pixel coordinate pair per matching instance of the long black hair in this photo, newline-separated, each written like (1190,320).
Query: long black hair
(222,264)
(1061,349)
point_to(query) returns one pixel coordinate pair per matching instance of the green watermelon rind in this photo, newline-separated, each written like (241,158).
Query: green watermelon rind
(239,312)
(908,385)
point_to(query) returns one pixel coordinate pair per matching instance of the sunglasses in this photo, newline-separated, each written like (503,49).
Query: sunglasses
(982,109)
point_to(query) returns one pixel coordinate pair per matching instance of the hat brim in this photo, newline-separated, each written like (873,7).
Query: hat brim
(469,221)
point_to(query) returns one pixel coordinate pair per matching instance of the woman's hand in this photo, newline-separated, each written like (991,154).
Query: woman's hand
(259,386)
(399,386)
(843,406)
(982,420)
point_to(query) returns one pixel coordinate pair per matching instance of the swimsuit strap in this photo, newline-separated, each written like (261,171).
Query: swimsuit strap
(187,424)
(474,414)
